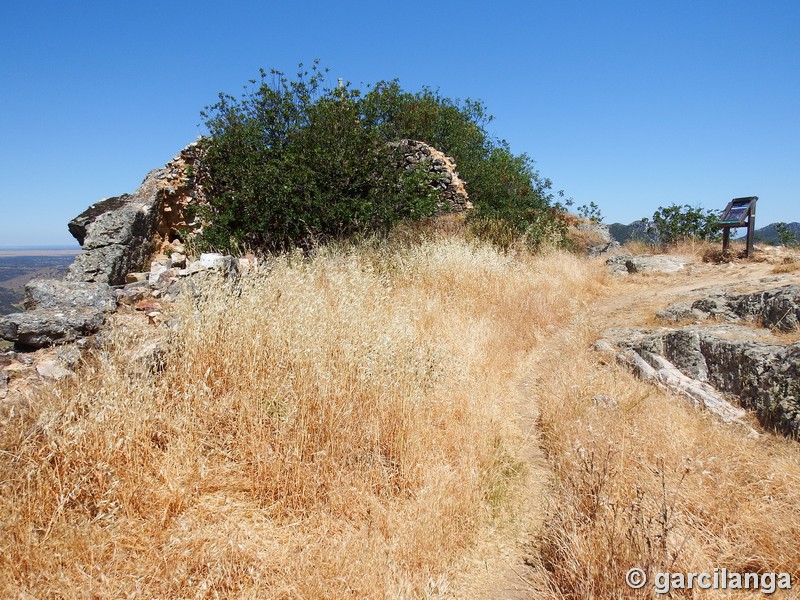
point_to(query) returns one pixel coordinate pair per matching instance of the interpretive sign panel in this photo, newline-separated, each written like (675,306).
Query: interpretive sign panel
(740,212)
(737,211)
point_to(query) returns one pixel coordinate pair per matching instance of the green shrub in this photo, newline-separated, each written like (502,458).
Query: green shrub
(591,211)
(293,164)
(510,197)
(785,235)
(676,223)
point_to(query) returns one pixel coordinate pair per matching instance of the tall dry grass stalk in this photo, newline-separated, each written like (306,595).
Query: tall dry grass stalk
(339,427)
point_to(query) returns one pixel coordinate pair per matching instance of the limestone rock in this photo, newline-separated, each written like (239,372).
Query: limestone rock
(48,326)
(177,260)
(132,293)
(624,264)
(54,293)
(226,265)
(52,370)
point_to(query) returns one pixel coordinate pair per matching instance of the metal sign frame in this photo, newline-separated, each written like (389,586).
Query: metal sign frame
(740,212)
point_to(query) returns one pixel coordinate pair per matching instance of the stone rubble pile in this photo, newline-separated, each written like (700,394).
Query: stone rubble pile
(65,317)
(133,260)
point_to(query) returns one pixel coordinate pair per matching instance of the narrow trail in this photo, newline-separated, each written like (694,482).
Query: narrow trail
(515,572)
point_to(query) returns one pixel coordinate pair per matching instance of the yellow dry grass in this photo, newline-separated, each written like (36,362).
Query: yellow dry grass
(339,427)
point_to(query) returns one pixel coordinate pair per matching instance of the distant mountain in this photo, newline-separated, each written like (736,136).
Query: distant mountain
(769,234)
(639,230)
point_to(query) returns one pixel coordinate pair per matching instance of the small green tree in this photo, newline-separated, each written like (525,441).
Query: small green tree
(293,164)
(591,211)
(680,222)
(785,235)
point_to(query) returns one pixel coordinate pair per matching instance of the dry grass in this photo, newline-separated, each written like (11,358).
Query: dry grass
(788,264)
(338,428)
(638,247)
(644,479)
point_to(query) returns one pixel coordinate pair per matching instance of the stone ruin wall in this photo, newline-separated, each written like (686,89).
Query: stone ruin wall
(123,234)
(132,253)
(452,189)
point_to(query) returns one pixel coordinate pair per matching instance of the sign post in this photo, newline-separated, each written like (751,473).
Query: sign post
(740,212)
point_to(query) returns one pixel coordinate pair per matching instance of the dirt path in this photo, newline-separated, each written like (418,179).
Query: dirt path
(632,301)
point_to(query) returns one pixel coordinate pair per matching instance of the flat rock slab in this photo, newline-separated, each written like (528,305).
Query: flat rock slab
(624,264)
(48,326)
(54,293)
(777,308)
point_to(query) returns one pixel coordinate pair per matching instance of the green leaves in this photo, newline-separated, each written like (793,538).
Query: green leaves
(291,163)
(675,223)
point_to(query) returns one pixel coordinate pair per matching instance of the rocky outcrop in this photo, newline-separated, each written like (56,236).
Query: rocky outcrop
(778,308)
(446,180)
(117,235)
(723,352)
(624,264)
(121,234)
(58,312)
(765,377)
(604,243)
(48,326)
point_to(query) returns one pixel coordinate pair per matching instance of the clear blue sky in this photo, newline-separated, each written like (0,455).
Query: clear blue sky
(631,105)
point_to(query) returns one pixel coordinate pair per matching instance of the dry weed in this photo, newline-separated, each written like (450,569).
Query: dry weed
(337,428)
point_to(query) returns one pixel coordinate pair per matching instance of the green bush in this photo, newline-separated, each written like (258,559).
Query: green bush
(510,197)
(676,223)
(785,235)
(293,164)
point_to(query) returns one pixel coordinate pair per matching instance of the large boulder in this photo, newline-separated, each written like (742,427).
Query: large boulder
(117,234)
(58,312)
(54,293)
(45,327)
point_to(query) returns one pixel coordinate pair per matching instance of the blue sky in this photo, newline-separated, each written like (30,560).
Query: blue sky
(632,105)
